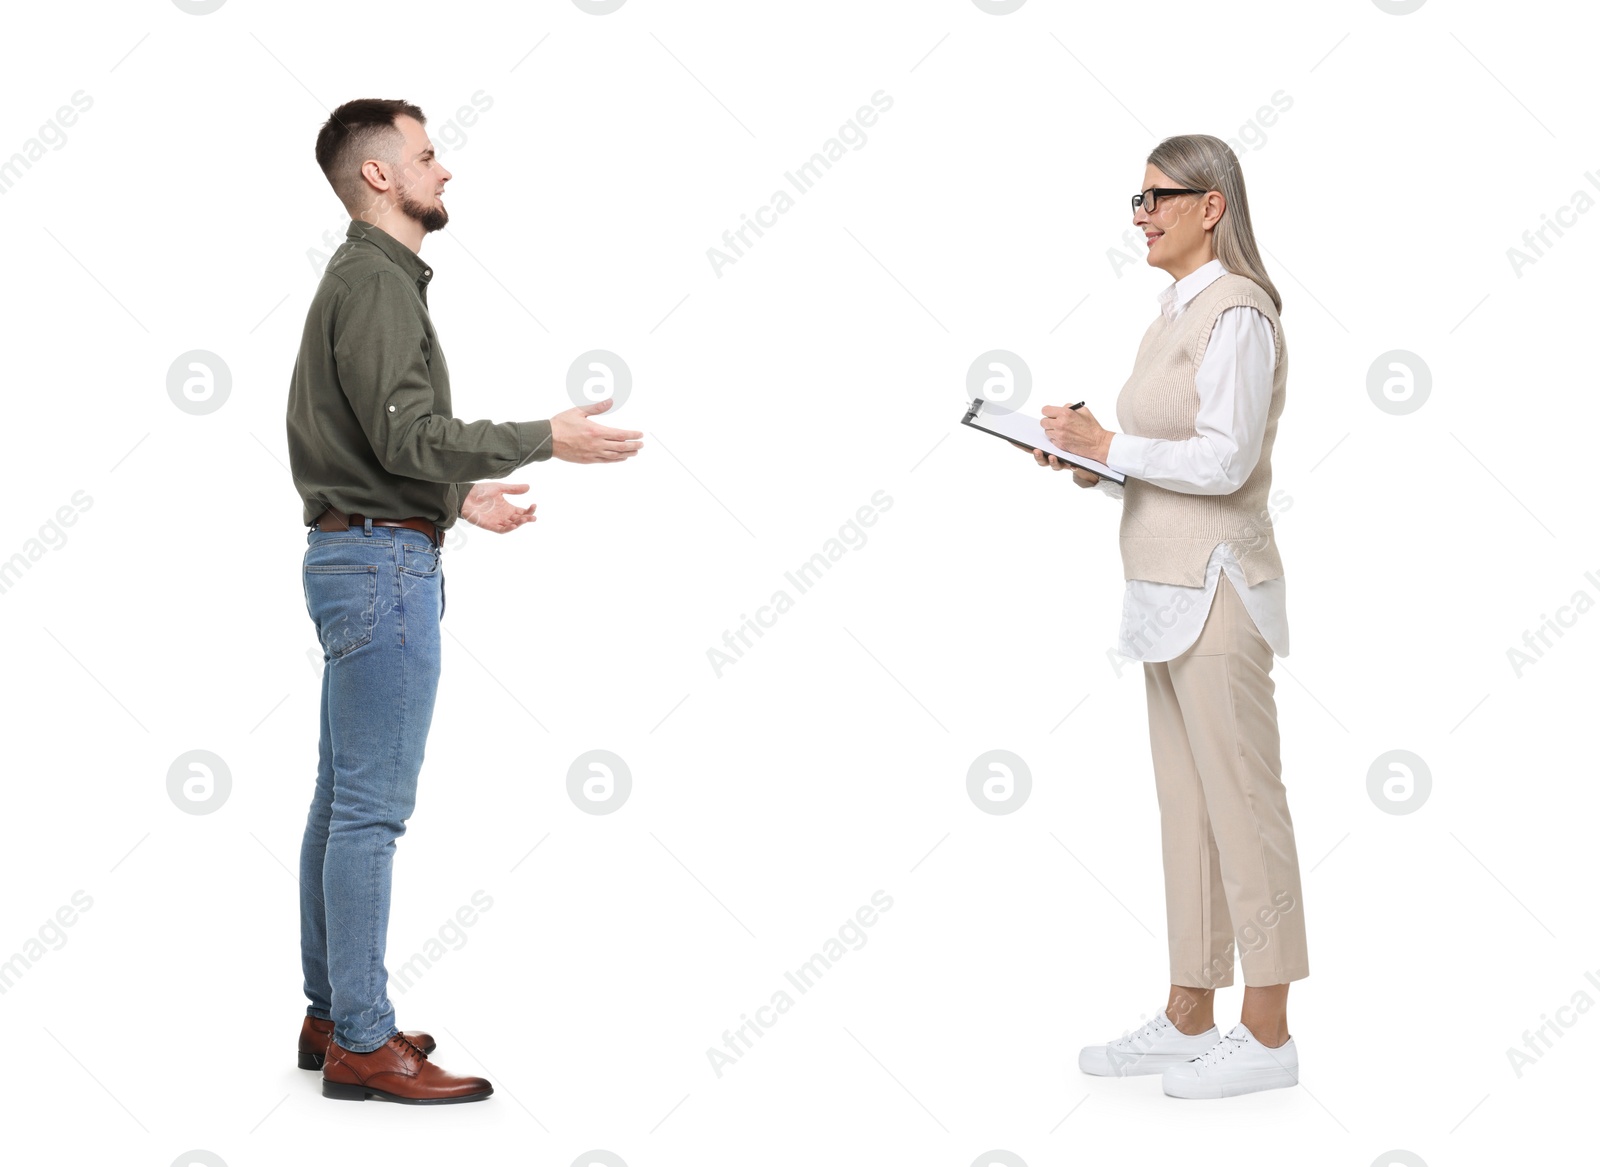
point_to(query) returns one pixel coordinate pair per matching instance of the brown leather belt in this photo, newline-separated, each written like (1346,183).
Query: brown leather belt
(332,520)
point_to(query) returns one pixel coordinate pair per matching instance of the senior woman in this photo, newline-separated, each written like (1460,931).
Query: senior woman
(1204,611)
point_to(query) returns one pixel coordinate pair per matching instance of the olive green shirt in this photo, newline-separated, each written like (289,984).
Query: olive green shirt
(370,427)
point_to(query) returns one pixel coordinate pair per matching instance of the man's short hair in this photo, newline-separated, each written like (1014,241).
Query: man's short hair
(354,132)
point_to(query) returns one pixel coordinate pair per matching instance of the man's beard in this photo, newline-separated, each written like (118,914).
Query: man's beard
(432,218)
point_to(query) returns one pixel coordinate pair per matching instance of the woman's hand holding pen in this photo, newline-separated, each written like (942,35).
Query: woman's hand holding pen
(1084,478)
(1075,430)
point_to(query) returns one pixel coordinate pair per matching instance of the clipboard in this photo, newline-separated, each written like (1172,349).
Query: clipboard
(1027,431)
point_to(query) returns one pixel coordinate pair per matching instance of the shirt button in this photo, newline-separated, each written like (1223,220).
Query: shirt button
(391,409)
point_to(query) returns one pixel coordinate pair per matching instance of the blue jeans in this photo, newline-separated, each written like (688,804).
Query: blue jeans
(376,596)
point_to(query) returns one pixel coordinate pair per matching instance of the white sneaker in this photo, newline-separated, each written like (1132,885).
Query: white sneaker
(1238,1064)
(1151,1049)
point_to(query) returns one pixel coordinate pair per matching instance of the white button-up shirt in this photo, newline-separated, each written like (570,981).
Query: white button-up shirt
(1159,620)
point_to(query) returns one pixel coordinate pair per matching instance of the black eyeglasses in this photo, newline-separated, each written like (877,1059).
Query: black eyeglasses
(1147,199)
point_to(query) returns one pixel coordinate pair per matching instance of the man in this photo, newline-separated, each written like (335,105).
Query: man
(383,469)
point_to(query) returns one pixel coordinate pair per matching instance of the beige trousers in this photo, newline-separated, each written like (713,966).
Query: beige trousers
(1227,842)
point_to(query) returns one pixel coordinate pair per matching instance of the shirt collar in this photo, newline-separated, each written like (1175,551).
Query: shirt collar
(1176,295)
(402,256)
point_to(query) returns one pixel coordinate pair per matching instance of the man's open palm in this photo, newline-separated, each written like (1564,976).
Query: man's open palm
(488,507)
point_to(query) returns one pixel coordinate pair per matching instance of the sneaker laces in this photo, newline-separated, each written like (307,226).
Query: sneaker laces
(1215,1055)
(1142,1036)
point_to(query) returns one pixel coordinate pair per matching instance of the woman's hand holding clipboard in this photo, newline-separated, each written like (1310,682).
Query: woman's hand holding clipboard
(1060,423)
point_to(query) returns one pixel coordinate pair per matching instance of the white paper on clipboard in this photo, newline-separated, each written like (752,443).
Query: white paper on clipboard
(1029,431)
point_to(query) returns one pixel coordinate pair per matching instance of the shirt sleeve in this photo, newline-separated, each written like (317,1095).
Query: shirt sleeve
(1106,486)
(462,490)
(1234,381)
(379,350)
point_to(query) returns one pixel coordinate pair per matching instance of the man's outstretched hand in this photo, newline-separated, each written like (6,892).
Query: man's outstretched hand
(577,439)
(487,506)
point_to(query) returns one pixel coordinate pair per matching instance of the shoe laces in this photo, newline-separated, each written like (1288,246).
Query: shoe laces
(1217,1053)
(405,1041)
(1140,1037)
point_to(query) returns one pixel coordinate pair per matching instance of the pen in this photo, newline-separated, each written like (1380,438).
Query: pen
(1078,406)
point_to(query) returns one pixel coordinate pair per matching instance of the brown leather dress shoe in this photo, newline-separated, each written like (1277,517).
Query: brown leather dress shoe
(315,1033)
(397,1071)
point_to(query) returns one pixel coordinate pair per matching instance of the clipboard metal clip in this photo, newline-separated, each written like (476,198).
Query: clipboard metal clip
(972,410)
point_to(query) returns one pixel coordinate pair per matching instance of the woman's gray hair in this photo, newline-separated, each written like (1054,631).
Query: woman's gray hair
(1207,163)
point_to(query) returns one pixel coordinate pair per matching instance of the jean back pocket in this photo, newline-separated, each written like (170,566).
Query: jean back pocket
(342,601)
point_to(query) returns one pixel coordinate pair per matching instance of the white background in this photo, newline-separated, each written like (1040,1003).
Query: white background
(825,365)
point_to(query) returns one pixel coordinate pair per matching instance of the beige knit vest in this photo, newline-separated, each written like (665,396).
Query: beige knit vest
(1166,535)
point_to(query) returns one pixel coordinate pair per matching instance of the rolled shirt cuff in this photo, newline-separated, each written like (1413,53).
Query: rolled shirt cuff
(1126,453)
